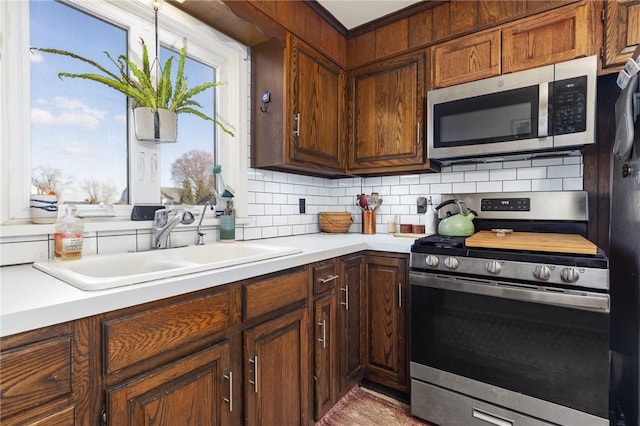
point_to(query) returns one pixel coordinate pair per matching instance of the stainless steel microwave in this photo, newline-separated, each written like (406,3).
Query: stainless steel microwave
(541,109)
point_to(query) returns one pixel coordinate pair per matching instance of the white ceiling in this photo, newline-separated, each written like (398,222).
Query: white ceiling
(353,13)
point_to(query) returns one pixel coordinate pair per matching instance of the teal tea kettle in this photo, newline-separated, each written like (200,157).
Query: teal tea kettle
(457,225)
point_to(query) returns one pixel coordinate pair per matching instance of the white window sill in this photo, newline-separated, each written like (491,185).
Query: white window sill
(20,228)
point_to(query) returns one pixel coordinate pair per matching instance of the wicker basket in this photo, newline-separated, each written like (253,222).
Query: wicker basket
(335,222)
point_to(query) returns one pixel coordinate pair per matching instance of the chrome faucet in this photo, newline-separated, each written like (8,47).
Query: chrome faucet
(200,234)
(162,226)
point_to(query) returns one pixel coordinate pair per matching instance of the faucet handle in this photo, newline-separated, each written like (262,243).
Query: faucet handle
(160,217)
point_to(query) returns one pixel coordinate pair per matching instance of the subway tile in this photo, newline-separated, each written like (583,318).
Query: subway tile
(453,177)
(516,185)
(546,185)
(546,162)
(516,164)
(571,170)
(272,187)
(441,188)
(280,220)
(572,184)
(285,231)
(503,174)
(572,160)
(532,173)
(264,198)
(430,178)
(464,167)
(390,180)
(489,166)
(256,209)
(464,188)
(263,221)
(116,244)
(409,179)
(252,233)
(476,176)
(270,232)
(419,189)
(15,253)
(372,181)
(494,186)
(271,209)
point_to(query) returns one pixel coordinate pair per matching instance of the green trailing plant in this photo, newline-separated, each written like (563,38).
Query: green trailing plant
(176,97)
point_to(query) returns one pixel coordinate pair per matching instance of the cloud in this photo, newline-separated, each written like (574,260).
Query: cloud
(66,111)
(79,148)
(36,57)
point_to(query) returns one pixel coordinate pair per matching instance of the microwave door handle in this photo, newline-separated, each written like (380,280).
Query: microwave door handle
(543,110)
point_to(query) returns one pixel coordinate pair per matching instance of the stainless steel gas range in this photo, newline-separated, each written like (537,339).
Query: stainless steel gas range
(509,336)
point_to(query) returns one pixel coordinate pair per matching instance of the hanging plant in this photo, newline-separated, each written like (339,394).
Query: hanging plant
(175,96)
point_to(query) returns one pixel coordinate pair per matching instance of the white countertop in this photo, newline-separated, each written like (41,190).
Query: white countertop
(30,299)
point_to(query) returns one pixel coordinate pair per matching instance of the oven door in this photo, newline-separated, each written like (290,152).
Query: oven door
(544,344)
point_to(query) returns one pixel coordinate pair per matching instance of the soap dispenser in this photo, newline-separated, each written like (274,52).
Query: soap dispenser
(68,237)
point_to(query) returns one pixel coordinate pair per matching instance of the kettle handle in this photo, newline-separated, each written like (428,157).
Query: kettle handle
(445,203)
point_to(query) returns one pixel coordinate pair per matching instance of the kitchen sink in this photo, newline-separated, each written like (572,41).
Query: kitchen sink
(115,270)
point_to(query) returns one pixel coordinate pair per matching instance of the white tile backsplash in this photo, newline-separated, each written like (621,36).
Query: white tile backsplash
(273,202)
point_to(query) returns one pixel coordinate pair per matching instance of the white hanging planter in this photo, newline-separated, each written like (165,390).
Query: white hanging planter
(159,126)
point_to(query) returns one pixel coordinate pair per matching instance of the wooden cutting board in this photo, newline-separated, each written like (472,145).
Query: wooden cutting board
(533,241)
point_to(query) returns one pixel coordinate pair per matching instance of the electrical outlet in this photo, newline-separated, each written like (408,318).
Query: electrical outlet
(303,205)
(422,205)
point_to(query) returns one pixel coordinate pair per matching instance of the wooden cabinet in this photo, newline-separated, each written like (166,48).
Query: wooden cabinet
(195,390)
(48,377)
(386,128)
(349,316)
(387,307)
(466,59)
(325,352)
(621,31)
(301,128)
(276,371)
(547,38)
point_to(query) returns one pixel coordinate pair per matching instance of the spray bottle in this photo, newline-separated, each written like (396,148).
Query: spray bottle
(430,218)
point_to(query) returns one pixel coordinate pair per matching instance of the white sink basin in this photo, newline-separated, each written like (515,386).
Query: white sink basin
(115,270)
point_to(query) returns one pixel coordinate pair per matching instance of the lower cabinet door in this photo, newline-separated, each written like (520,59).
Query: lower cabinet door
(324,348)
(276,365)
(193,391)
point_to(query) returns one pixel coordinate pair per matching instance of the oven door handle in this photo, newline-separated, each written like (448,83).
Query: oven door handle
(586,301)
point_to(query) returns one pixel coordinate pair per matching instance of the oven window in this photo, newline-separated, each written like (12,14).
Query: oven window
(497,117)
(551,353)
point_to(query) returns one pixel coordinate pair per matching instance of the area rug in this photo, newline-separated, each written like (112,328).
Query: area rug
(360,407)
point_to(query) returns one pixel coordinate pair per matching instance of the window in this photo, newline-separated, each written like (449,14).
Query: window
(80,132)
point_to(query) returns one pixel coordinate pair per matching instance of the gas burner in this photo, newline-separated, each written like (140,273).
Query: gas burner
(440,241)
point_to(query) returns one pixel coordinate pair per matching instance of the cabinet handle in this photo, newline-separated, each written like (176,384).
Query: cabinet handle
(418,138)
(254,382)
(400,295)
(324,333)
(491,418)
(230,399)
(346,297)
(329,278)
(296,118)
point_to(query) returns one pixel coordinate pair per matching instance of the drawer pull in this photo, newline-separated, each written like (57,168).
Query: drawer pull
(400,295)
(230,399)
(296,118)
(346,297)
(490,418)
(254,382)
(329,278)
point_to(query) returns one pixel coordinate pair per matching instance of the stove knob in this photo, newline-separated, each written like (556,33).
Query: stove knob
(542,272)
(570,275)
(451,262)
(493,266)
(432,260)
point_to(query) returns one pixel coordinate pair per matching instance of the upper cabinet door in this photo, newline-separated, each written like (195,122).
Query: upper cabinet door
(466,59)
(317,104)
(547,38)
(621,31)
(386,131)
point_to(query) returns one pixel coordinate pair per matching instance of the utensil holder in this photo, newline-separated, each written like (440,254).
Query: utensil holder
(369,222)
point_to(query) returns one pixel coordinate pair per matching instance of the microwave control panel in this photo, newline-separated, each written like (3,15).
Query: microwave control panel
(568,108)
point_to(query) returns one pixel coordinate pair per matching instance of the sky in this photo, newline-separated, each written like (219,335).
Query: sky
(79,126)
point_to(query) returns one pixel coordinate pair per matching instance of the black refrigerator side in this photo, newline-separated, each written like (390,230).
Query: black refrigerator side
(624,258)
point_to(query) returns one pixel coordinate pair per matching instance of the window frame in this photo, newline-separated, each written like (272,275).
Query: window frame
(229,57)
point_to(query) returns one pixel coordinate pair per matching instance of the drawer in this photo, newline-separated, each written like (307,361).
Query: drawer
(35,374)
(275,292)
(442,406)
(325,276)
(143,335)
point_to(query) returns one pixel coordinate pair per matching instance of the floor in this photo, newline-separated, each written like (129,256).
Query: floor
(363,407)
